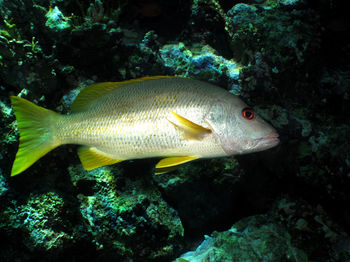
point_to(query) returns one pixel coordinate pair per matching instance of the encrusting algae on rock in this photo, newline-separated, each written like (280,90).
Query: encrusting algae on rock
(176,118)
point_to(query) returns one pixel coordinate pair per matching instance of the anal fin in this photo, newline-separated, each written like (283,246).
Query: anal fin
(92,158)
(171,163)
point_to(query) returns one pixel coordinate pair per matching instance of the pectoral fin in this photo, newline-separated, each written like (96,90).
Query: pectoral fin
(92,158)
(171,163)
(190,130)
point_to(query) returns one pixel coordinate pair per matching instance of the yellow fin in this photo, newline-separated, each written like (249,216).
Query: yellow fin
(164,170)
(92,158)
(35,138)
(191,130)
(95,91)
(91,93)
(171,163)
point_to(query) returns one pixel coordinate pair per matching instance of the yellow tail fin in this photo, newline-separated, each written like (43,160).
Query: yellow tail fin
(35,139)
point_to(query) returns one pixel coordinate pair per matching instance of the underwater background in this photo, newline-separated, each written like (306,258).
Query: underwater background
(289,59)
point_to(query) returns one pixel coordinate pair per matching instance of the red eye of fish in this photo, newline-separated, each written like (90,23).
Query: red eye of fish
(248,113)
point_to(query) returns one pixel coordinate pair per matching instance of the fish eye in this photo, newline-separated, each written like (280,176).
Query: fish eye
(248,113)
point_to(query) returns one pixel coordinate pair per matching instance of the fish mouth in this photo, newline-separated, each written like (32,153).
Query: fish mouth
(268,141)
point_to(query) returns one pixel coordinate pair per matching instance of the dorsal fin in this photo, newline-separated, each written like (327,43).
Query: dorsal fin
(95,91)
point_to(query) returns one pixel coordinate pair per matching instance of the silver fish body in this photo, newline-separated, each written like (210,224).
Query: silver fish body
(135,120)
(167,117)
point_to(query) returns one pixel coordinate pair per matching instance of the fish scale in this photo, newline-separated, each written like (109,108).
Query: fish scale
(145,133)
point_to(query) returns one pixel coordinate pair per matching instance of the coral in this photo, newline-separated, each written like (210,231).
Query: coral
(56,20)
(286,232)
(251,239)
(178,58)
(252,27)
(309,224)
(24,65)
(115,217)
(3,184)
(149,43)
(40,219)
(8,137)
(201,62)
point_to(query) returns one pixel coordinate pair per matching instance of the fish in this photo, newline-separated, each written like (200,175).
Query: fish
(176,119)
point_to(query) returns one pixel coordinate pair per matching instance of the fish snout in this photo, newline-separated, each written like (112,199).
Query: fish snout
(268,141)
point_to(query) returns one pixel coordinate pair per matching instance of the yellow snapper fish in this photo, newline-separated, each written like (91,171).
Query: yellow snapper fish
(178,119)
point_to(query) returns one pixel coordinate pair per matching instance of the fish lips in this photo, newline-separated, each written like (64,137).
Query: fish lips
(268,141)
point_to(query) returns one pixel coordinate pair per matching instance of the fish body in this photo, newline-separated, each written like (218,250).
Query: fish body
(177,118)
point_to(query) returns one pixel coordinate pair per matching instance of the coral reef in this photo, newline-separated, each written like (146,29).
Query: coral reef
(274,237)
(251,239)
(40,218)
(126,216)
(287,58)
(201,62)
